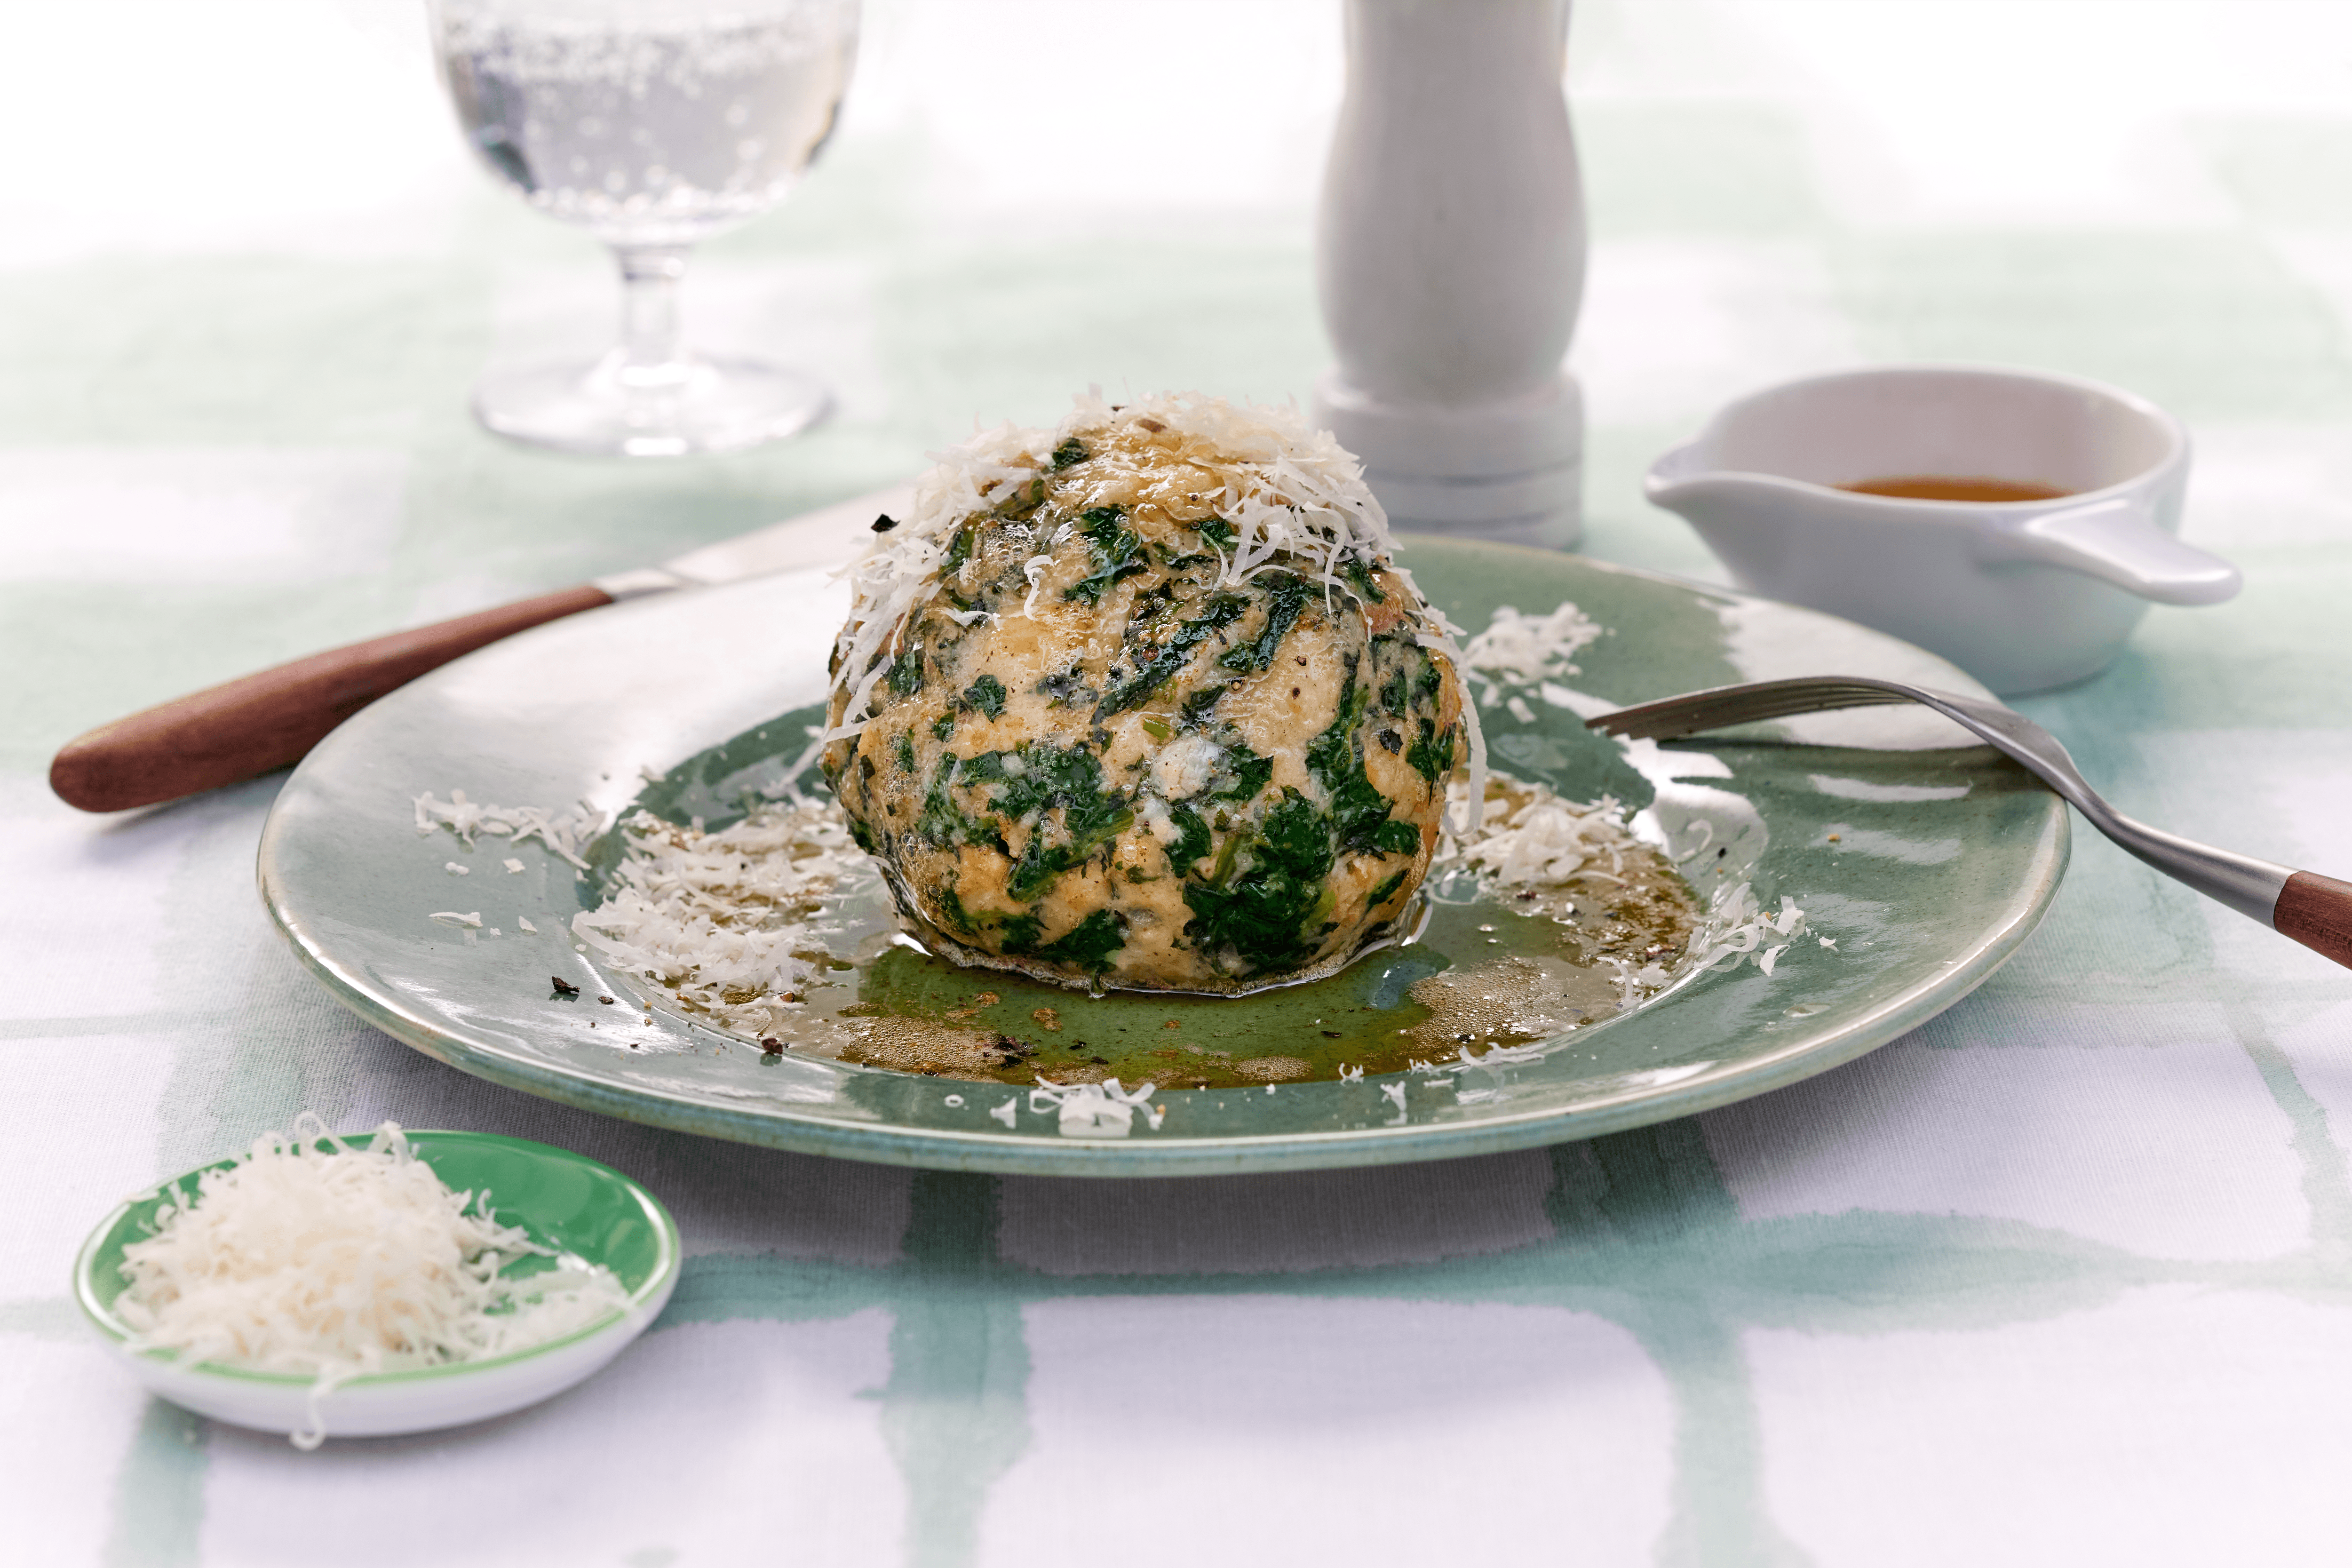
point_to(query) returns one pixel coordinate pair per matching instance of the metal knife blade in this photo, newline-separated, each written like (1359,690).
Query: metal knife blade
(825,537)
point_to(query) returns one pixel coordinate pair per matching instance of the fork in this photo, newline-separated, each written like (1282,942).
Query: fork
(2314,910)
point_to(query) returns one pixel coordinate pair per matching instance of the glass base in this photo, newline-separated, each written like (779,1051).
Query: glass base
(612,408)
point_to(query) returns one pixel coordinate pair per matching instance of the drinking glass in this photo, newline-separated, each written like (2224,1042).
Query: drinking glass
(653,124)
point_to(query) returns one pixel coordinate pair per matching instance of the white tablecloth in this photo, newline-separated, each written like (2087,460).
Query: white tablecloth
(2063,1277)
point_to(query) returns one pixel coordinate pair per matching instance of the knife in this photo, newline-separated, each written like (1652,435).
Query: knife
(246,727)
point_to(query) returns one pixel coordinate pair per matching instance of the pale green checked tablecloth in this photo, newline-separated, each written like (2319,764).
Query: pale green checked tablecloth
(2063,1277)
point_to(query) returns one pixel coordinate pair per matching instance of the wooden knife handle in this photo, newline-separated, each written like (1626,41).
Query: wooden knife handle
(268,721)
(2317,912)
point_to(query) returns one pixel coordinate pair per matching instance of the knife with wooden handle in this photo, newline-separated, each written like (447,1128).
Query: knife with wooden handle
(246,727)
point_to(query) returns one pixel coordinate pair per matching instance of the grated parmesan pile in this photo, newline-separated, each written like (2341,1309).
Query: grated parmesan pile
(1520,650)
(1534,838)
(1295,496)
(727,922)
(342,1261)
(1529,836)
(1102,1110)
(566,834)
(1737,925)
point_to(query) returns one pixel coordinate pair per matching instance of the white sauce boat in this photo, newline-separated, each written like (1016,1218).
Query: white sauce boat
(2024,595)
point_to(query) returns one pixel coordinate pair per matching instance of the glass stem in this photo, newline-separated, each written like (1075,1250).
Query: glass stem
(652,355)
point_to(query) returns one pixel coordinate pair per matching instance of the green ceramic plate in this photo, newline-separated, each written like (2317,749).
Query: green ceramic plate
(1924,859)
(564,1200)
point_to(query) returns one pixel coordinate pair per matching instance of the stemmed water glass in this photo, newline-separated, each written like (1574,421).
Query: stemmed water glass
(654,124)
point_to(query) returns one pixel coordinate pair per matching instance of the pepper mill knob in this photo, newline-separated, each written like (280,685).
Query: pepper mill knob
(1450,259)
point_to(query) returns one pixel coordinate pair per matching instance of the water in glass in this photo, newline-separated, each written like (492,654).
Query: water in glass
(646,125)
(654,124)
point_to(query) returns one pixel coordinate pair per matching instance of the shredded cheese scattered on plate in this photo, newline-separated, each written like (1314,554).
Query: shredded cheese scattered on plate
(1093,1110)
(1521,650)
(717,919)
(566,834)
(726,923)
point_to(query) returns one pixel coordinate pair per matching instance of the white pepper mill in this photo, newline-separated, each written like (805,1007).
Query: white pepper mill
(1450,257)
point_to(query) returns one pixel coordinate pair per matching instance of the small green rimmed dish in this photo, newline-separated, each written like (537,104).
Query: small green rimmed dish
(565,1200)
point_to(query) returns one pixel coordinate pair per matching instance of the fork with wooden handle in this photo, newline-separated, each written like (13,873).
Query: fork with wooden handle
(2314,910)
